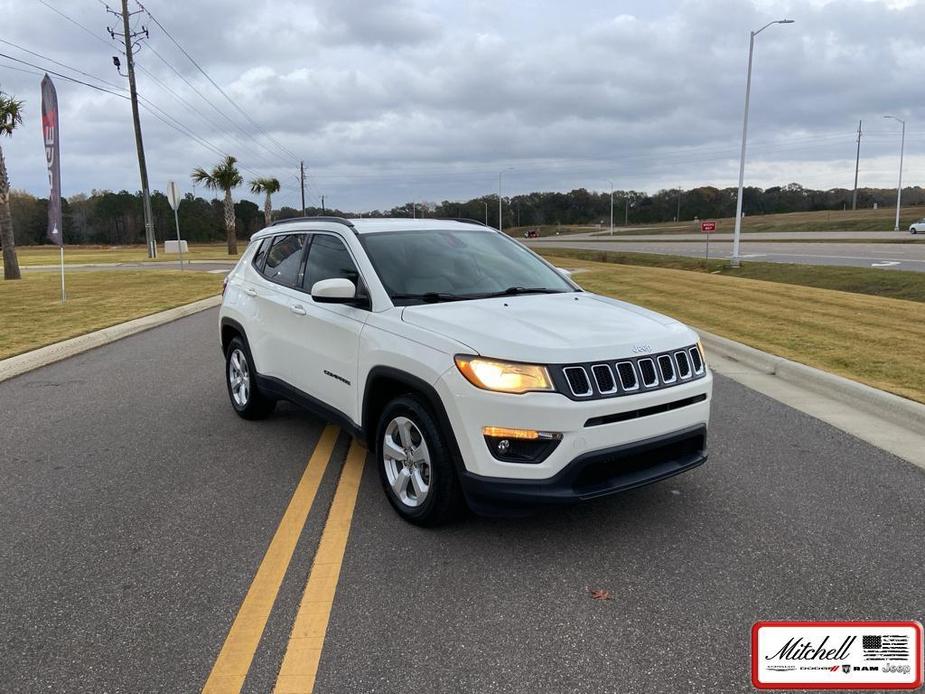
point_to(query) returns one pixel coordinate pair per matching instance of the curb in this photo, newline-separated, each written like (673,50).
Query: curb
(879,403)
(22,363)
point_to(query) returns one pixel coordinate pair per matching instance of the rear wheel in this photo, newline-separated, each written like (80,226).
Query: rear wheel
(415,464)
(240,376)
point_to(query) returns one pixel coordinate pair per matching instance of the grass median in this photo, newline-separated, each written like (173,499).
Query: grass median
(32,315)
(894,284)
(871,339)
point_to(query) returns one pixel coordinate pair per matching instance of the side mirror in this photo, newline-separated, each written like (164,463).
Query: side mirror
(334,291)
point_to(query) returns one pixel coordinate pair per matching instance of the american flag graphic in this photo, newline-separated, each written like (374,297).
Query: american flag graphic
(885,647)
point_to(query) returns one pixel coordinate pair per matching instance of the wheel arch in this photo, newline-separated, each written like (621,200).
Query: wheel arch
(384,384)
(230,330)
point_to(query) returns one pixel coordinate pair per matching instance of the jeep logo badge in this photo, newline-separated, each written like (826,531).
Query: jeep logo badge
(642,349)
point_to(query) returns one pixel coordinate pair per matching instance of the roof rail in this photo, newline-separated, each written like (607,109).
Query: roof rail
(319,218)
(462,219)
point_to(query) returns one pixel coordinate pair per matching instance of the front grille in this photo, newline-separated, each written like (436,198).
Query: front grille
(627,375)
(696,360)
(603,377)
(578,381)
(643,373)
(666,366)
(647,370)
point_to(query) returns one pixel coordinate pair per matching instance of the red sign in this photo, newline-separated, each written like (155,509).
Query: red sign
(707,227)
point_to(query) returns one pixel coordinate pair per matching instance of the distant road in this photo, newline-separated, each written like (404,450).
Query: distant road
(888,256)
(748,235)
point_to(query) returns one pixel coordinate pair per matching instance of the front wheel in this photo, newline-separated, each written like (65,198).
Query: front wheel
(415,464)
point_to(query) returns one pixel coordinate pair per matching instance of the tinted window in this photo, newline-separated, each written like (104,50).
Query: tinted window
(261,254)
(328,258)
(284,259)
(465,263)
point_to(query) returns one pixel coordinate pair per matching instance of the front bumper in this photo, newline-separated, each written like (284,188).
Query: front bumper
(594,474)
(649,415)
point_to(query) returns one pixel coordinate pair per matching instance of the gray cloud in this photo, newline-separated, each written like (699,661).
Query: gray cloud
(388,101)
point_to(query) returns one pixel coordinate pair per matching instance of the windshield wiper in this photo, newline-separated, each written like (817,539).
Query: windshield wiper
(431,297)
(513,291)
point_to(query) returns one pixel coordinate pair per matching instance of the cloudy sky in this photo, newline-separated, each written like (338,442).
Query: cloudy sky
(397,100)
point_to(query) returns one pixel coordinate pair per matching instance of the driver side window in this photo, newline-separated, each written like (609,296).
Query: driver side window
(328,258)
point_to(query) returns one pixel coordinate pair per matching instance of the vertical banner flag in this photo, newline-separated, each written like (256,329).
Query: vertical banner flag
(52,158)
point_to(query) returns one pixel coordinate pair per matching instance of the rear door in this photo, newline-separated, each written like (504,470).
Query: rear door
(278,297)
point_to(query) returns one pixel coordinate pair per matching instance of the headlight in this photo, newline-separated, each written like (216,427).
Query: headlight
(503,376)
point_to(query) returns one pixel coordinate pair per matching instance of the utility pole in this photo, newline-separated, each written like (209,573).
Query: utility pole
(302,182)
(626,210)
(857,163)
(129,38)
(611,208)
(322,205)
(678,216)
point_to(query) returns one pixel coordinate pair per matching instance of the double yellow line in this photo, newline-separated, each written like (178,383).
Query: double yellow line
(303,653)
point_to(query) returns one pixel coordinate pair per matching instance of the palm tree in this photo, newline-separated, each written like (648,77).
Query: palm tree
(10,117)
(223,176)
(268,186)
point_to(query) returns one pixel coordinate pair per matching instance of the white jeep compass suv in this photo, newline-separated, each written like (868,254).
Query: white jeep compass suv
(472,367)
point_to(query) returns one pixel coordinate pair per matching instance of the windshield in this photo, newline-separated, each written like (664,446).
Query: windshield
(451,265)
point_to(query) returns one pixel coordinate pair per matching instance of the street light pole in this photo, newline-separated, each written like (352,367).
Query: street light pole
(611,208)
(500,223)
(486,212)
(899,187)
(748,89)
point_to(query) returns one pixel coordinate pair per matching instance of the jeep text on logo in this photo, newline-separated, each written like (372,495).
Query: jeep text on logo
(642,349)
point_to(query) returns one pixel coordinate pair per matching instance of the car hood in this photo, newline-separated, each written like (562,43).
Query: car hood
(551,328)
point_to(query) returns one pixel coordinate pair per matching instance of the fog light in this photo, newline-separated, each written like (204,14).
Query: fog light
(520,445)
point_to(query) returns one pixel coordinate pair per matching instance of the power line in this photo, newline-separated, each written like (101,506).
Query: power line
(58,74)
(60,64)
(202,96)
(78,24)
(150,106)
(21,69)
(231,101)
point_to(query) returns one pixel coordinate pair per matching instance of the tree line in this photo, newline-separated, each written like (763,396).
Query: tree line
(109,218)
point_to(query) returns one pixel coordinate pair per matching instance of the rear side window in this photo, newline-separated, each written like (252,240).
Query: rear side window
(329,258)
(261,254)
(284,260)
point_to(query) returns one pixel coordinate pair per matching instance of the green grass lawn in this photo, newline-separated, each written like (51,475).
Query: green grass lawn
(871,339)
(49,255)
(32,315)
(895,284)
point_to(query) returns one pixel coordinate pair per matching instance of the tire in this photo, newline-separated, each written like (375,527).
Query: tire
(417,473)
(914,230)
(240,378)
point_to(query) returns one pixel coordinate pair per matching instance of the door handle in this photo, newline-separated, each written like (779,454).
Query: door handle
(250,291)
(298,309)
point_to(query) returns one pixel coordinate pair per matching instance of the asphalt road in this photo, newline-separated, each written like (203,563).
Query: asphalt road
(136,508)
(887,256)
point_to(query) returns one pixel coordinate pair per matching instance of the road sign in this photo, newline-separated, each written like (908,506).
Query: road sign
(707,227)
(173,195)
